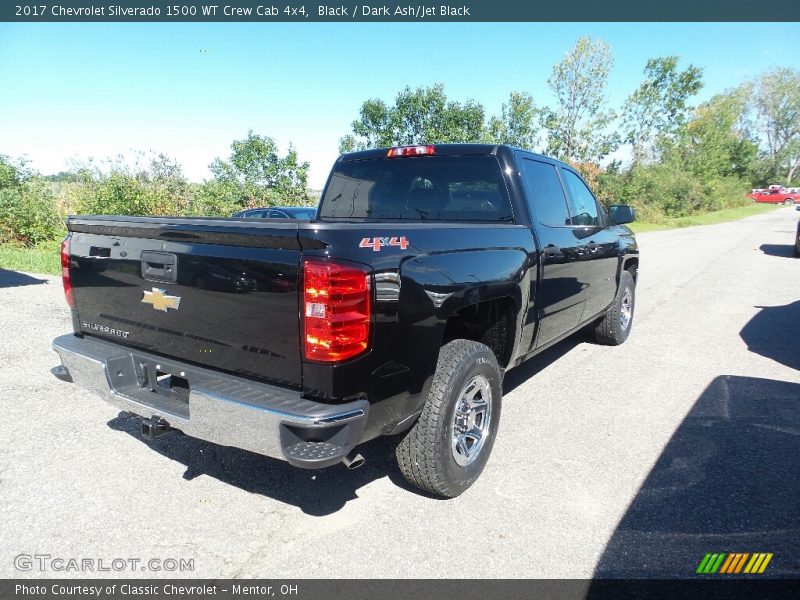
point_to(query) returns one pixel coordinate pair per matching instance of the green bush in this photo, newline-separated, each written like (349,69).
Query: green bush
(663,191)
(216,198)
(119,193)
(29,214)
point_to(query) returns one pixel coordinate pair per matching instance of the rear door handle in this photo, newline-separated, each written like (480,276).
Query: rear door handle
(552,250)
(592,247)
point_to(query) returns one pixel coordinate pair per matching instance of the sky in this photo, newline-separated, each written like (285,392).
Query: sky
(74,91)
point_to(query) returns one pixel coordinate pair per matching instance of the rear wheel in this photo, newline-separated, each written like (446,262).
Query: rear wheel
(788,202)
(614,328)
(446,449)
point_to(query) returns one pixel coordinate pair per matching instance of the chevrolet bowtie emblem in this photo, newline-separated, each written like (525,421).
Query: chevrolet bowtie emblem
(159,299)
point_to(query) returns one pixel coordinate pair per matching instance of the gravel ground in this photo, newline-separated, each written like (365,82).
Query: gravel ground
(610,461)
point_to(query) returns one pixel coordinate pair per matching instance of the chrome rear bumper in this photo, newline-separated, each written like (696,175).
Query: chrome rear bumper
(220,408)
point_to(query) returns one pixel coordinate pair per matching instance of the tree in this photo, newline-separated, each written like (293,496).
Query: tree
(578,126)
(659,107)
(419,116)
(518,124)
(256,174)
(717,141)
(777,103)
(374,129)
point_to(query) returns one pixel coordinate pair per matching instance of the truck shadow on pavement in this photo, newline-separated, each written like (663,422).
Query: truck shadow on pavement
(316,492)
(727,481)
(531,367)
(785,250)
(16,279)
(774,332)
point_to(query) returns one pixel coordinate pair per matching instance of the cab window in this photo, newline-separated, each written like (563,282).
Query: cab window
(545,195)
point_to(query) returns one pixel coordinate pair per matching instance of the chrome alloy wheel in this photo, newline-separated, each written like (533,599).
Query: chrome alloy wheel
(625,309)
(471,420)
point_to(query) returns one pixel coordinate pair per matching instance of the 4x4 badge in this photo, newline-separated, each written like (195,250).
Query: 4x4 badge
(379,242)
(160,300)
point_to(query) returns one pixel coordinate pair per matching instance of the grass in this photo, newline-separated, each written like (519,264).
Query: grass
(709,218)
(44,258)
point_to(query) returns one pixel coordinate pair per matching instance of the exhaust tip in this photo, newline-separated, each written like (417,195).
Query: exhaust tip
(353,460)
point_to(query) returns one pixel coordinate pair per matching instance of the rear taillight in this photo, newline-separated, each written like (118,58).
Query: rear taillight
(425,150)
(65,279)
(336,310)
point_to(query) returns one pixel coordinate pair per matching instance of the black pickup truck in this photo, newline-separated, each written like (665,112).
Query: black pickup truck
(427,273)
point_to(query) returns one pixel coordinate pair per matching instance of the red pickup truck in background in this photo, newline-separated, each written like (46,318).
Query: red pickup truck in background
(776,194)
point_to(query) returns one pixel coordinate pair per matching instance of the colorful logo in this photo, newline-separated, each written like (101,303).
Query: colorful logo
(380,242)
(729,563)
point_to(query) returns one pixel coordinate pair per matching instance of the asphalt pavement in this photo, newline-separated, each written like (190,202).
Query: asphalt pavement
(611,462)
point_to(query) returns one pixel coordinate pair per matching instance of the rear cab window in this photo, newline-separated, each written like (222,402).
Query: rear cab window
(428,188)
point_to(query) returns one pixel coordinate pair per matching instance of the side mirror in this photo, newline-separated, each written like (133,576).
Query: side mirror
(621,214)
(798,208)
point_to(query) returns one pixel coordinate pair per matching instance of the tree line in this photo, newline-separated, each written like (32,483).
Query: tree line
(658,151)
(677,158)
(33,207)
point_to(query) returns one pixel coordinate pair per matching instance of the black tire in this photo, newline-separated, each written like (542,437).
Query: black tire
(612,329)
(427,454)
(797,247)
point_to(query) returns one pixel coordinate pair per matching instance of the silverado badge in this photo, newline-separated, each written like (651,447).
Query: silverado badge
(160,300)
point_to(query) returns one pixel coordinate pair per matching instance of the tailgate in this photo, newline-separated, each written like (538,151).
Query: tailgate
(218,293)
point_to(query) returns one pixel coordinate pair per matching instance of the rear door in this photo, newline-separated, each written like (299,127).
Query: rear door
(559,302)
(223,295)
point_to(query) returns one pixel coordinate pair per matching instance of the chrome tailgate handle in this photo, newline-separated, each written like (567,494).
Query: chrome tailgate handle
(159,266)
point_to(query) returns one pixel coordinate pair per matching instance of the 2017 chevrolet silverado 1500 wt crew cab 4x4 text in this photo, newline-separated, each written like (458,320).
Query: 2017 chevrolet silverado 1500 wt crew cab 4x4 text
(427,272)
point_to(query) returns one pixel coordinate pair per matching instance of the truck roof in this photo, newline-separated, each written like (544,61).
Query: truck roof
(444,150)
(441,150)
